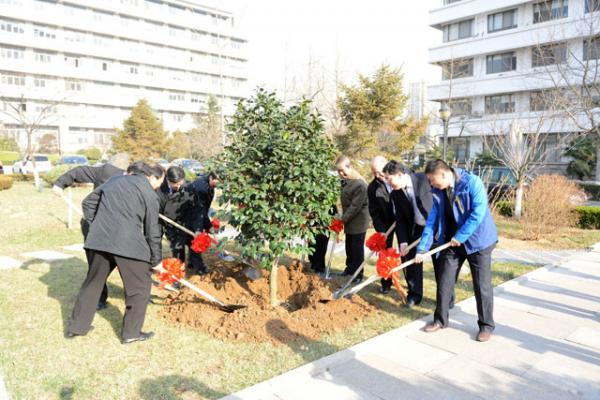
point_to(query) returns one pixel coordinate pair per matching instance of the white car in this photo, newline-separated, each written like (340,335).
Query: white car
(42,164)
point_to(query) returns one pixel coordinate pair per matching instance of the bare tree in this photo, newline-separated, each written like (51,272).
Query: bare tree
(15,109)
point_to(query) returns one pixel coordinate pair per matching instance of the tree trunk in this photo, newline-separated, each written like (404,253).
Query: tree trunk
(519,201)
(273,282)
(597,177)
(36,175)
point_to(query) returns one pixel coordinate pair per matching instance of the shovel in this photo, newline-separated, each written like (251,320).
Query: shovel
(328,269)
(249,271)
(339,293)
(374,277)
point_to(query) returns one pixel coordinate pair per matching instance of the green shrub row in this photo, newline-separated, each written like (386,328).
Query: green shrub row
(6,182)
(588,217)
(505,208)
(9,157)
(52,175)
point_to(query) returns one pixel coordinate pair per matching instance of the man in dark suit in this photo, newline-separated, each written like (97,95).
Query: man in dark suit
(173,199)
(355,215)
(411,199)
(195,213)
(380,207)
(124,231)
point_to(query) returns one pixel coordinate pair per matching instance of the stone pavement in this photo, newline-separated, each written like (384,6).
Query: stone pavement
(546,346)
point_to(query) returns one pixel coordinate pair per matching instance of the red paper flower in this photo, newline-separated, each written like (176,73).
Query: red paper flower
(202,242)
(388,260)
(175,270)
(216,224)
(241,206)
(336,226)
(377,242)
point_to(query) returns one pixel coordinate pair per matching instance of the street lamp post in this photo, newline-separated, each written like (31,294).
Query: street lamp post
(445,114)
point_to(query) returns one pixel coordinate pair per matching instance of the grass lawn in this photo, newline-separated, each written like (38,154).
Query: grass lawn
(179,363)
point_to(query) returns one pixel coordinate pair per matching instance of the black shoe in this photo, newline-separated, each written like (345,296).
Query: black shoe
(71,335)
(410,303)
(143,336)
(201,271)
(101,305)
(384,290)
(358,279)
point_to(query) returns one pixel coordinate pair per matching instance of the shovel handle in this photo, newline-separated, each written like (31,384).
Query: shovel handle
(201,292)
(71,205)
(176,225)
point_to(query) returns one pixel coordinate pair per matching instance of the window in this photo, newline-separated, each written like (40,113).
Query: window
(446,2)
(13,79)
(11,27)
(43,58)
(592,6)
(174,10)
(460,146)
(74,37)
(591,48)
(104,66)
(457,69)
(12,53)
(177,117)
(215,60)
(196,99)
(549,10)
(39,83)
(502,20)
(197,36)
(131,69)
(499,104)
(44,33)
(74,86)
(548,54)
(461,106)
(18,3)
(458,30)
(503,62)
(72,61)
(176,97)
(236,44)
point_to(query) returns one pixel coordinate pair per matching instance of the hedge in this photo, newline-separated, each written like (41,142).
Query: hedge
(9,157)
(592,190)
(6,182)
(505,208)
(588,217)
(52,175)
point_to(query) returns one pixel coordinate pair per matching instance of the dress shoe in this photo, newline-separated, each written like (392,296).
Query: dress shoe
(71,335)
(101,305)
(143,336)
(410,303)
(433,327)
(384,290)
(484,336)
(358,279)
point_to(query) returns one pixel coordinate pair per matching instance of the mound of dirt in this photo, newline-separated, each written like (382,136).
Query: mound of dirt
(301,314)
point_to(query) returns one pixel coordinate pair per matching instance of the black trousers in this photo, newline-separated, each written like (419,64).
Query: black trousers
(136,276)
(481,271)
(387,283)
(85,228)
(178,244)
(355,253)
(413,274)
(317,258)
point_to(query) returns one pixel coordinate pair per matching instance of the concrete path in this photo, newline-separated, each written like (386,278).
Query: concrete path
(537,257)
(546,346)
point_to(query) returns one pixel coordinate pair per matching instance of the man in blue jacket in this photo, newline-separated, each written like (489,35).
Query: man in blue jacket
(460,215)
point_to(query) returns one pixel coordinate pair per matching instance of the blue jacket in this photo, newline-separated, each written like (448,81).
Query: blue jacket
(476,229)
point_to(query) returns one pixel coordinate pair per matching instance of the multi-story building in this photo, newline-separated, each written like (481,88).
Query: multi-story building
(96,59)
(500,58)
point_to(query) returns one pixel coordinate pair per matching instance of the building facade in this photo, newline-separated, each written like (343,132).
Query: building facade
(83,64)
(500,62)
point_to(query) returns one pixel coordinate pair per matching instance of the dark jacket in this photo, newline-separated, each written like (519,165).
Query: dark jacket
(380,206)
(476,228)
(404,210)
(195,211)
(123,217)
(173,206)
(86,174)
(355,206)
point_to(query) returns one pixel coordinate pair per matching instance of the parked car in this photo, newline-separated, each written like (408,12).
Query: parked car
(499,180)
(163,163)
(72,160)
(193,165)
(42,164)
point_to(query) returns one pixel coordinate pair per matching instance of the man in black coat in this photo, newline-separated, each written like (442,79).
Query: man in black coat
(195,211)
(412,200)
(380,207)
(124,231)
(96,176)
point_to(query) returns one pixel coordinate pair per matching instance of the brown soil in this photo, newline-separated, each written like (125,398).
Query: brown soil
(301,314)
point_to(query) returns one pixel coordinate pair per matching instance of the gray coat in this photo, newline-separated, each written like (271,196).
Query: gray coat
(355,206)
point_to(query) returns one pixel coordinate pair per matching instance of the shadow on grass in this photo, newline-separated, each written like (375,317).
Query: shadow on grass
(309,349)
(173,387)
(64,279)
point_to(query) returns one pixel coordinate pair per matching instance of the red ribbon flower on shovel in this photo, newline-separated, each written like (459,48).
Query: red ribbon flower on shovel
(336,226)
(388,260)
(202,242)
(174,270)
(216,224)
(377,242)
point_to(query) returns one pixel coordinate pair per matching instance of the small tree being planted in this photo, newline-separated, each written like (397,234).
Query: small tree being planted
(276,179)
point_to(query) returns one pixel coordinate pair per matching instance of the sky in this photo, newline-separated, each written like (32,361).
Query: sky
(285,37)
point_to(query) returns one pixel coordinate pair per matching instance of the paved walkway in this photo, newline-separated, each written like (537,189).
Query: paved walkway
(546,346)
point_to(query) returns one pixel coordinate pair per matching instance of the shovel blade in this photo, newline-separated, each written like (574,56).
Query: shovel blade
(252,273)
(229,308)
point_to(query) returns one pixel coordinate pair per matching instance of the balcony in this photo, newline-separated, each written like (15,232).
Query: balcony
(467,8)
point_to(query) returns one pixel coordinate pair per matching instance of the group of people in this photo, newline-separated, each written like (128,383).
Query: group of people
(441,205)
(121,228)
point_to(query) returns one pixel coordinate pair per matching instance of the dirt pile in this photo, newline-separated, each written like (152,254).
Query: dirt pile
(301,314)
